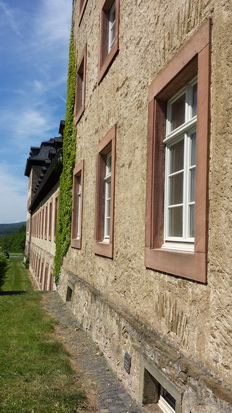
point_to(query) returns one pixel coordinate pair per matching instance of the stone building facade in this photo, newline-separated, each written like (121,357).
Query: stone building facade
(148,271)
(43,169)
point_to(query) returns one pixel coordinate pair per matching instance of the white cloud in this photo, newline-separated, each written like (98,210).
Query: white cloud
(27,125)
(9,17)
(54,23)
(13,192)
(32,123)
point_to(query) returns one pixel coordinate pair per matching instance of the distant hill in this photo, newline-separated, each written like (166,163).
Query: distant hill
(7,229)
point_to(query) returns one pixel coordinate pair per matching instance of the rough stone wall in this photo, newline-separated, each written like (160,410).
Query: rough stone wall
(195,319)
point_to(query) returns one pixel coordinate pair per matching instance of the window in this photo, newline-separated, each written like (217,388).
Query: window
(177,169)
(41,274)
(45,222)
(41,223)
(80,87)
(180,168)
(109,38)
(82,6)
(104,221)
(166,402)
(111,27)
(45,280)
(51,281)
(69,293)
(107,180)
(77,206)
(157,390)
(50,221)
(55,216)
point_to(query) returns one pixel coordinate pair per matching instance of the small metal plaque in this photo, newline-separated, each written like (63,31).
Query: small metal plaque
(127,362)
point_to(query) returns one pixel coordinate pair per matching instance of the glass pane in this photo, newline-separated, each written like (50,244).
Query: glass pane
(169,399)
(112,13)
(108,164)
(177,156)
(192,184)
(178,112)
(194,101)
(108,188)
(175,222)
(108,207)
(107,228)
(191,220)
(193,148)
(112,17)
(112,33)
(176,189)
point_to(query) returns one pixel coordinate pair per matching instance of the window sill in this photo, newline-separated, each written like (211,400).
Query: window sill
(190,265)
(76,243)
(178,246)
(104,249)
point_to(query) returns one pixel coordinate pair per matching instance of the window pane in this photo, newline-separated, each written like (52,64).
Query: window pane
(176,189)
(193,148)
(108,164)
(107,207)
(192,185)
(178,112)
(107,229)
(194,101)
(191,220)
(169,399)
(175,222)
(112,17)
(177,156)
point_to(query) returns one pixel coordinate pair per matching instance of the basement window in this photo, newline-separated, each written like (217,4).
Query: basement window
(159,394)
(166,402)
(69,294)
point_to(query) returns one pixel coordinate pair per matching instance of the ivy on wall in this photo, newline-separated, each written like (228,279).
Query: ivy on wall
(63,234)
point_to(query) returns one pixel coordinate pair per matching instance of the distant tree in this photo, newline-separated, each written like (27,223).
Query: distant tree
(3,269)
(14,242)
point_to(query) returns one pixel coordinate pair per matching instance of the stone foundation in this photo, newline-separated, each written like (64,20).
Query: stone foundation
(118,333)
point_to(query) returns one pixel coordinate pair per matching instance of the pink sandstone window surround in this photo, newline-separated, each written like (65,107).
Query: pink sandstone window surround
(109,35)
(45,278)
(55,216)
(80,87)
(193,59)
(77,205)
(82,6)
(106,147)
(50,221)
(45,222)
(51,281)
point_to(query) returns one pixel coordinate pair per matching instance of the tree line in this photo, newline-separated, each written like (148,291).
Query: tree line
(14,242)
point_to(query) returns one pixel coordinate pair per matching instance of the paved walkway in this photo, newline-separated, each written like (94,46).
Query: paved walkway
(105,393)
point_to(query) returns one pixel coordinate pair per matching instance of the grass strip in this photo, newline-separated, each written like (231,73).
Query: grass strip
(35,372)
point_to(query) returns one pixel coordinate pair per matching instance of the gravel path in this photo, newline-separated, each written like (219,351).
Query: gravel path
(104,392)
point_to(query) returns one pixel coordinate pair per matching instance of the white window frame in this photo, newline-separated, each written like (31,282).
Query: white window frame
(163,403)
(184,131)
(79,194)
(107,180)
(112,22)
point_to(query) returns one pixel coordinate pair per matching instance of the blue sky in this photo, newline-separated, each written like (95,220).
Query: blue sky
(34,41)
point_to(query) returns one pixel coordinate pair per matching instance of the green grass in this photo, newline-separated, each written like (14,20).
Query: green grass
(35,372)
(17,277)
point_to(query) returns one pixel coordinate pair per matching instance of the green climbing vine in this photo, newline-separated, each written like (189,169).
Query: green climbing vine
(63,234)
